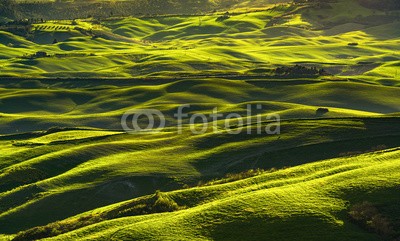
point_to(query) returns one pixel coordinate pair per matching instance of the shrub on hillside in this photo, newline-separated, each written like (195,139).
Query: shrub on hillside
(223,17)
(352,44)
(56,228)
(299,71)
(322,111)
(368,216)
(164,204)
(156,203)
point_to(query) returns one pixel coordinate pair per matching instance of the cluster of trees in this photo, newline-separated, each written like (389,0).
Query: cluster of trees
(299,70)
(23,22)
(7,9)
(50,27)
(223,17)
(315,1)
(23,30)
(21,27)
(381,4)
(373,4)
(103,9)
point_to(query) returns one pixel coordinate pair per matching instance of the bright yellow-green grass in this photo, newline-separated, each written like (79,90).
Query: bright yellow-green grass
(79,175)
(301,203)
(41,105)
(71,136)
(64,156)
(165,46)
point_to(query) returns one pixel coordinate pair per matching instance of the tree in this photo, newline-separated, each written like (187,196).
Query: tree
(7,8)
(382,5)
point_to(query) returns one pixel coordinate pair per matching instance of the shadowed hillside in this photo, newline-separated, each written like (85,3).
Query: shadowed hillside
(74,73)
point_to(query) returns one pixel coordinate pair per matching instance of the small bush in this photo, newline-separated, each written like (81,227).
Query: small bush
(164,204)
(353,44)
(322,111)
(381,225)
(368,216)
(223,17)
(57,228)
(158,203)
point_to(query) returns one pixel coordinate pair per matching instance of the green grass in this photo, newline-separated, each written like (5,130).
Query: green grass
(63,155)
(162,46)
(310,200)
(40,178)
(102,106)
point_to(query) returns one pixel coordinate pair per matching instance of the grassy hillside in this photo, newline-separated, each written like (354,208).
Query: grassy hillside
(100,104)
(342,42)
(329,70)
(88,169)
(312,201)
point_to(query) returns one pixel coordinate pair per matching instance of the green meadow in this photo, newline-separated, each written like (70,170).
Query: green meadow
(68,170)
(246,42)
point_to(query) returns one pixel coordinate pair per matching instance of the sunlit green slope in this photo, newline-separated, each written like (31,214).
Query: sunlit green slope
(40,105)
(301,203)
(344,42)
(63,155)
(52,175)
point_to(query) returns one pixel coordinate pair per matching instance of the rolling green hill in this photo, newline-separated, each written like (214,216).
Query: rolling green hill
(348,44)
(301,203)
(304,203)
(329,70)
(100,104)
(90,168)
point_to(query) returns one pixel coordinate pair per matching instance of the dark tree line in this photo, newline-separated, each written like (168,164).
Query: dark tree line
(299,70)
(381,4)
(7,8)
(104,9)
(373,4)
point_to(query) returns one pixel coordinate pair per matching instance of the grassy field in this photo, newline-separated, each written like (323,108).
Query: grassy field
(301,203)
(311,200)
(70,168)
(100,104)
(69,172)
(242,43)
